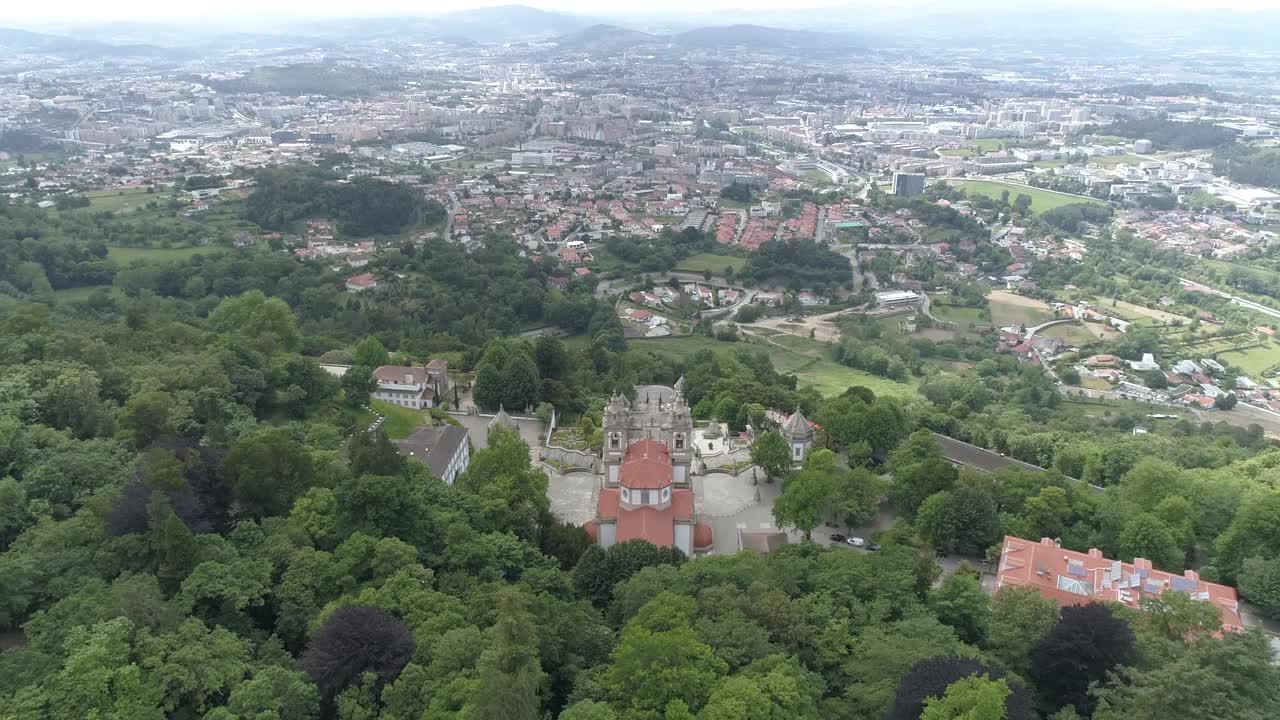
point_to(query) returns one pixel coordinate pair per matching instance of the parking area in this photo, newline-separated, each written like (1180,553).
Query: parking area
(573,495)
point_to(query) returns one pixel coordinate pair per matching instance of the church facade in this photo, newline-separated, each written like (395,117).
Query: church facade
(646,491)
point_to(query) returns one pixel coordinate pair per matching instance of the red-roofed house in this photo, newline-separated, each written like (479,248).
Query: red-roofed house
(361,282)
(1075,578)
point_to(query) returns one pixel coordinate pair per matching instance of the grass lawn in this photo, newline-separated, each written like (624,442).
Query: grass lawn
(1041,200)
(79,293)
(1008,309)
(1254,360)
(121,200)
(959,314)
(126,255)
(808,359)
(710,261)
(1130,311)
(1074,334)
(401,421)
(1114,160)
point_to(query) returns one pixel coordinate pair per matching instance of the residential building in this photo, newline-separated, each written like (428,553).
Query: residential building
(908,184)
(417,388)
(444,449)
(361,282)
(1074,578)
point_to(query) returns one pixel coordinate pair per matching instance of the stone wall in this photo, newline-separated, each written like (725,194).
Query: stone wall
(571,459)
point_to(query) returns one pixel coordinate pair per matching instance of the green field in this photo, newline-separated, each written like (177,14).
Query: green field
(1254,360)
(710,261)
(808,359)
(1041,200)
(1009,309)
(120,200)
(126,255)
(1114,160)
(1074,334)
(959,314)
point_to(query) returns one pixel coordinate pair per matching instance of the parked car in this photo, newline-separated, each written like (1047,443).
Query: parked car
(837,537)
(856,541)
(873,547)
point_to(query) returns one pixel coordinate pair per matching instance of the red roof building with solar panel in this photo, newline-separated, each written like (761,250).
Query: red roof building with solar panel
(1076,578)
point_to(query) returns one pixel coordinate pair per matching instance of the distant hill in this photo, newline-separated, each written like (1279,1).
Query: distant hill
(759,36)
(309,79)
(24,41)
(606,38)
(506,22)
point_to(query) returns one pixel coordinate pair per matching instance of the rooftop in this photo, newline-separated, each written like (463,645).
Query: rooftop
(646,466)
(1076,578)
(433,446)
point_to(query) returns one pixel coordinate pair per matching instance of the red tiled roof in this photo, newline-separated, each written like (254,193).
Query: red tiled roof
(644,523)
(646,466)
(702,536)
(1076,578)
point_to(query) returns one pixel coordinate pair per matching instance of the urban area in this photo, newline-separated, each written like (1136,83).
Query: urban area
(510,363)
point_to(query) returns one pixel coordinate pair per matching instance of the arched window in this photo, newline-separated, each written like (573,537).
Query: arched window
(679,441)
(615,441)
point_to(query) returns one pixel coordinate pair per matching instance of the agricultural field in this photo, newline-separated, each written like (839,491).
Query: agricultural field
(119,201)
(1129,311)
(1041,200)
(1254,361)
(1009,309)
(711,261)
(1082,334)
(126,255)
(808,359)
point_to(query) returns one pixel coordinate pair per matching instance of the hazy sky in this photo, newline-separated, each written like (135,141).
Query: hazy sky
(18,12)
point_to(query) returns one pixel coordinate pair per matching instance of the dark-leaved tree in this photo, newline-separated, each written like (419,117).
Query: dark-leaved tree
(1088,642)
(930,678)
(356,640)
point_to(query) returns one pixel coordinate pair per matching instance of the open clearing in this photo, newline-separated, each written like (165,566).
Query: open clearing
(1254,360)
(710,261)
(126,255)
(120,200)
(1140,311)
(1041,200)
(1081,334)
(809,360)
(1009,309)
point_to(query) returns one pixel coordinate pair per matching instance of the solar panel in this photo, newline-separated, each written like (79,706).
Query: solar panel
(1142,572)
(1182,584)
(1202,595)
(1076,568)
(1116,569)
(1151,587)
(1071,585)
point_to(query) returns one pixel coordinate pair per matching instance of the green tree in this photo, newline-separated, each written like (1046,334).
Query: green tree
(372,453)
(772,453)
(509,673)
(357,385)
(1146,536)
(268,471)
(146,416)
(370,353)
(973,698)
(1020,618)
(651,669)
(1253,532)
(1232,677)
(266,323)
(960,603)
(272,692)
(1260,583)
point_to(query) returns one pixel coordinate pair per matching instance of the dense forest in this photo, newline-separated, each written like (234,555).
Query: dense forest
(331,79)
(1169,134)
(1249,164)
(797,266)
(363,206)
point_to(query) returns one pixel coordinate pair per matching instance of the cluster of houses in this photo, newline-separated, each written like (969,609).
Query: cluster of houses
(1196,384)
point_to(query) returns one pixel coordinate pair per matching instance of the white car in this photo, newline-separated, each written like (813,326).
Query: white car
(856,541)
